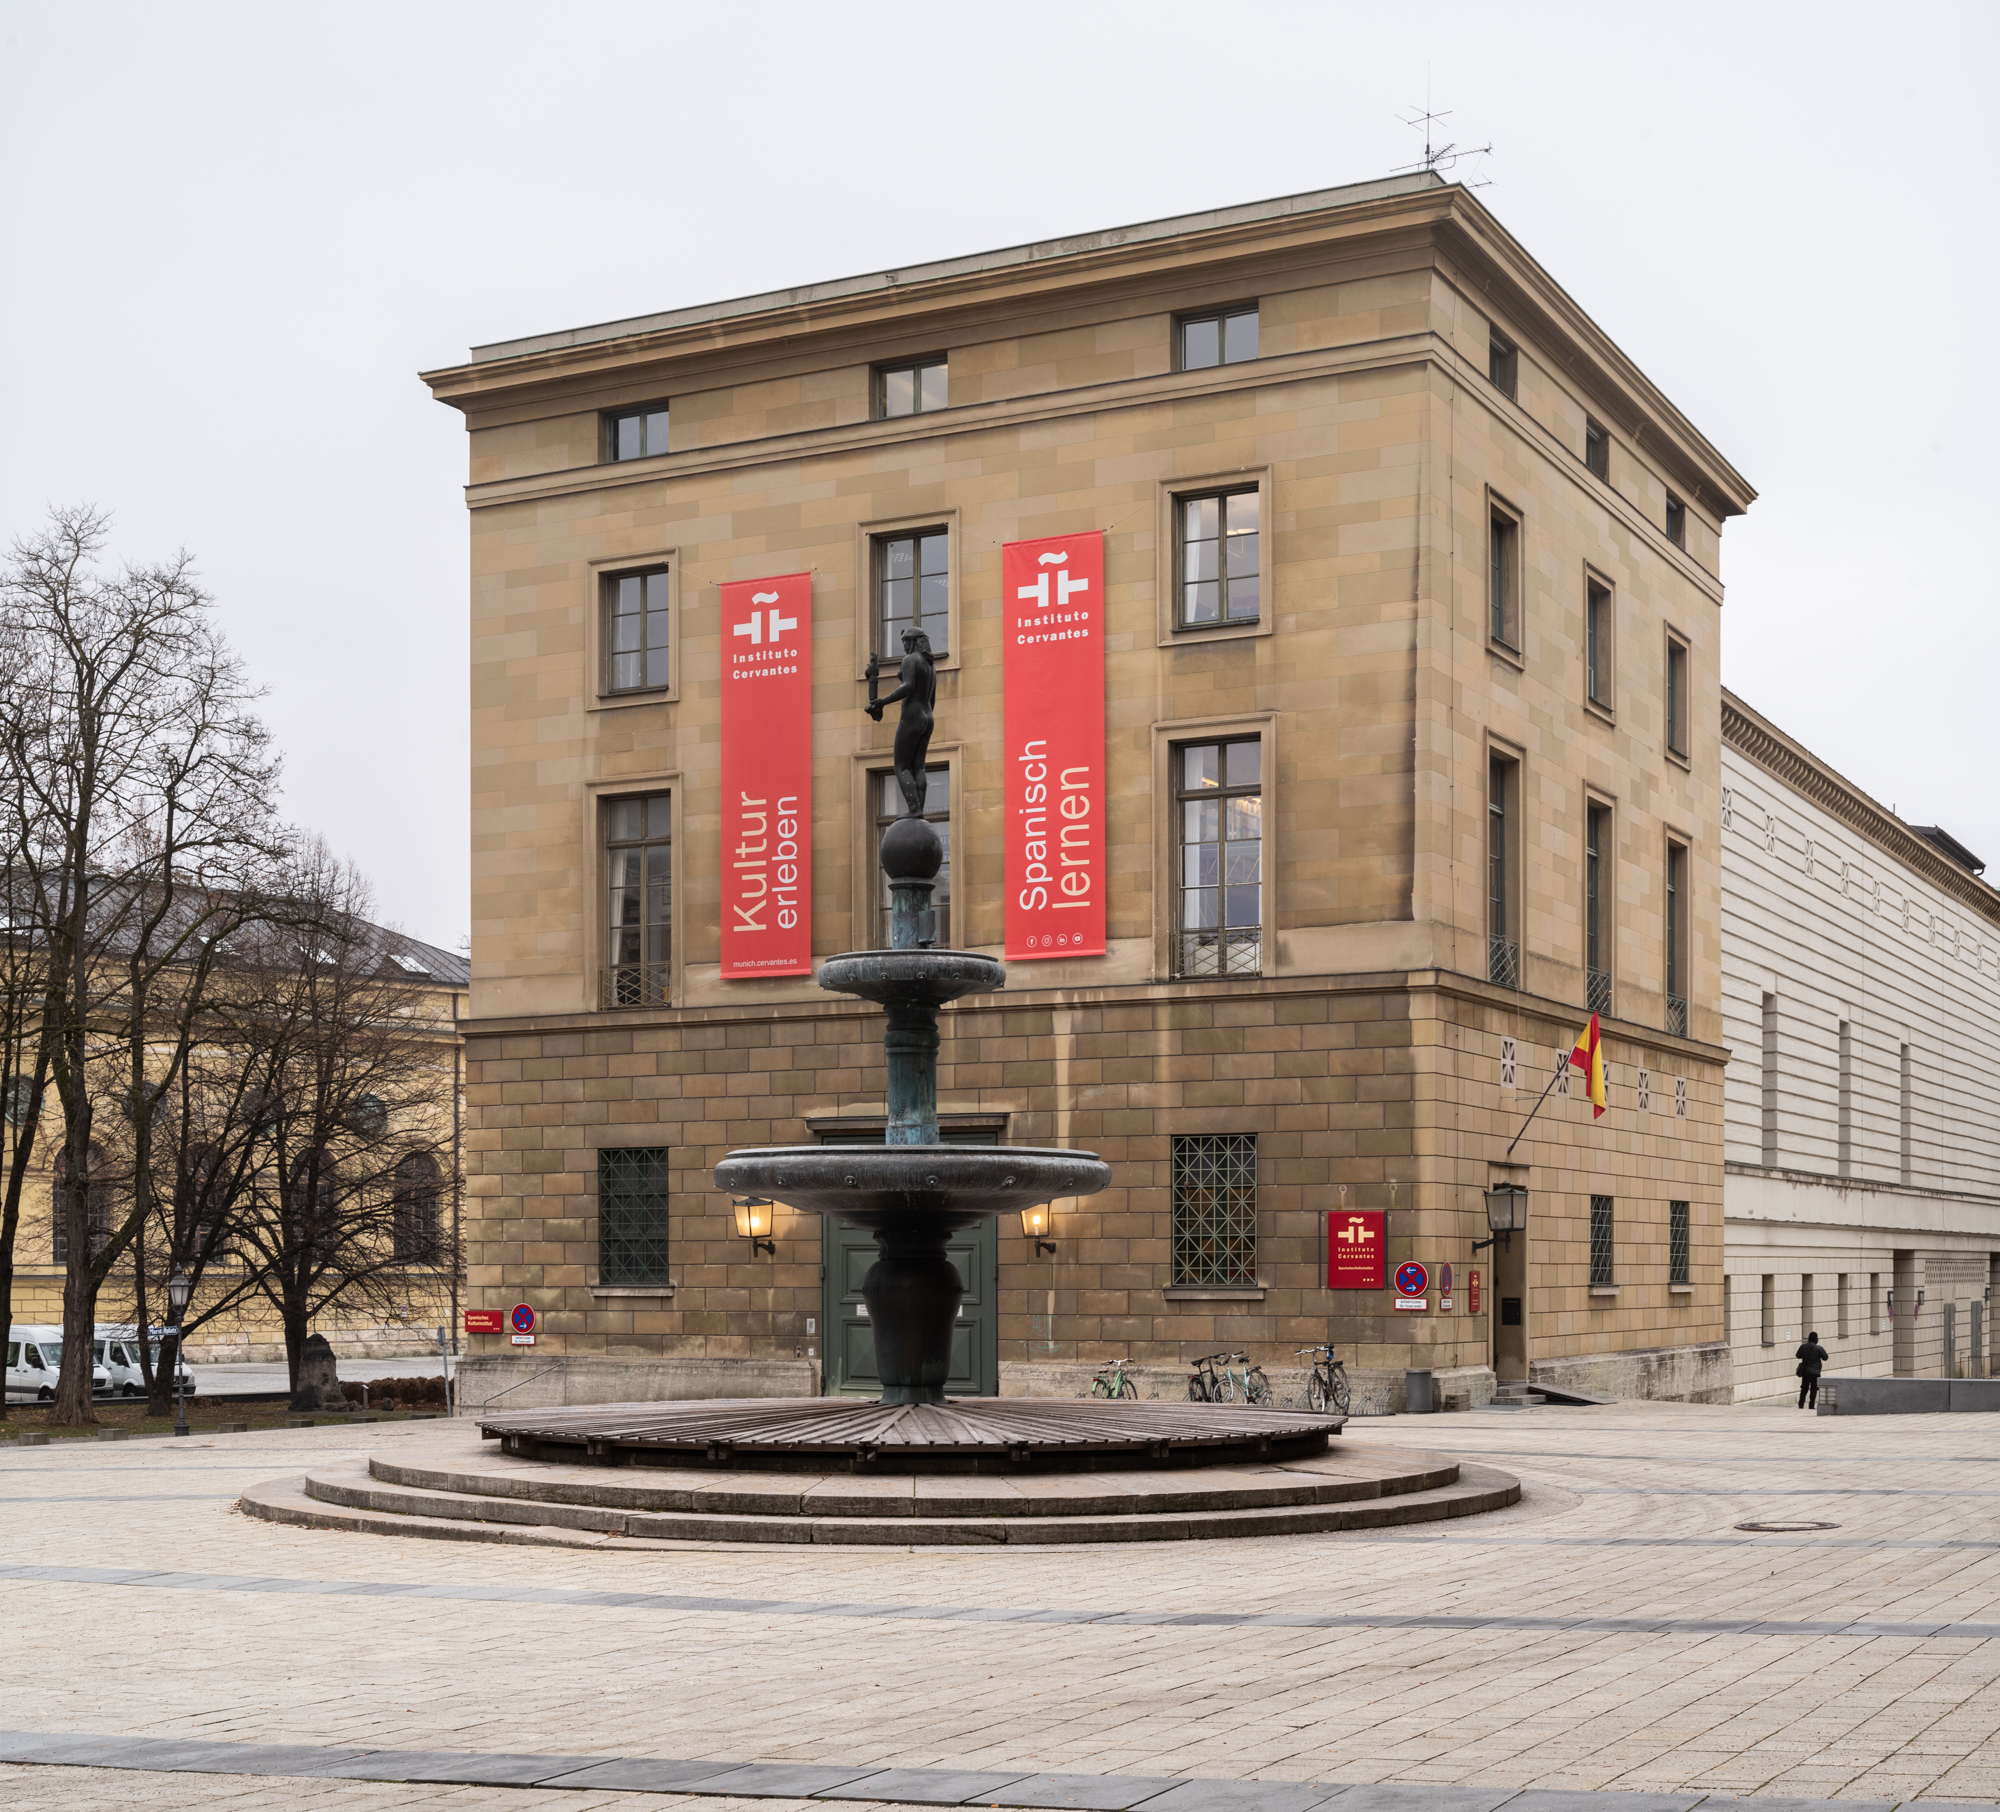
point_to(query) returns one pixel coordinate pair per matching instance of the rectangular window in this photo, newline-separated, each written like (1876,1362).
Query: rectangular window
(1842,1327)
(1808,1305)
(913,389)
(1677,522)
(1844,1155)
(1677,1243)
(1601,1273)
(1215,1209)
(1905,1154)
(636,433)
(1503,579)
(912,591)
(1677,695)
(937,811)
(1596,907)
(1503,949)
(1219,796)
(1769,1083)
(1597,640)
(1503,363)
(1769,1305)
(635,632)
(638,866)
(1874,1302)
(1597,449)
(1227,337)
(632,1195)
(1219,559)
(1676,951)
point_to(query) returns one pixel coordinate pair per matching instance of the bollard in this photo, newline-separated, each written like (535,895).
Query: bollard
(1418,1399)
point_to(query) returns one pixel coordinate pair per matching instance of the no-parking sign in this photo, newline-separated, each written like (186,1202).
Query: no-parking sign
(523,1323)
(1413,1282)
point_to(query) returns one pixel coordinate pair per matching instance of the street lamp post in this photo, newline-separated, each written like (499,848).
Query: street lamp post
(179,1289)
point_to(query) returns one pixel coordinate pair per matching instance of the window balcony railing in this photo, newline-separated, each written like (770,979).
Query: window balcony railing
(1206,953)
(1600,991)
(1677,1015)
(1503,962)
(636,985)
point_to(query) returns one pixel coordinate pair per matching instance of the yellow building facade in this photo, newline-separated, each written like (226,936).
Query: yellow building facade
(1463,719)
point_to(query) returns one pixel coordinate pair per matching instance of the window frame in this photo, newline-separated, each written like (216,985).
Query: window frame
(664,1238)
(643,413)
(1221,315)
(1676,881)
(607,587)
(1501,898)
(1178,732)
(879,779)
(1503,363)
(1674,697)
(1596,448)
(1600,642)
(878,380)
(1222,498)
(868,536)
(1600,903)
(597,795)
(864,847)
(1504,570)
(1676,522)
(1180,1154)
(1680,1243)
(1179,799)
(1603,1243)
(1170,495)
(413,1244)
(592,602)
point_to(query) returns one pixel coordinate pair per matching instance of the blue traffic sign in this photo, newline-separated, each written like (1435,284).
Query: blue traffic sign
(1412,1279)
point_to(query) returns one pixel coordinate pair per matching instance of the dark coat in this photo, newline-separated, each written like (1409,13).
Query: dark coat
(1812,1356)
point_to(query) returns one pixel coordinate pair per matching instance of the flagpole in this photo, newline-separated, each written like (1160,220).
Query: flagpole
(1537,1108)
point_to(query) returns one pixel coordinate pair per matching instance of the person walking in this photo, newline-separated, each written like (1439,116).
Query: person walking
(1812,1360)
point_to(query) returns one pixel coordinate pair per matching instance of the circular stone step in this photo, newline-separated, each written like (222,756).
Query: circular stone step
(464,1492)
(964,1434)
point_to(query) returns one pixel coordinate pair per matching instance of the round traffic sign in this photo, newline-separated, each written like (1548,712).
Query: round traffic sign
(1412,1279)
(523,1319)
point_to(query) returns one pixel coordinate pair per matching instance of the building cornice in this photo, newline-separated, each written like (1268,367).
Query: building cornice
(1757,739)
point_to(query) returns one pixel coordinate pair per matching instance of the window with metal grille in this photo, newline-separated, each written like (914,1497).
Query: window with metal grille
(1227,337)
(414,1210)
(915,388)
(1503,548)
(912,591)
(1218,792)
(638,861)
(1219,559)
(1596,939)
(937,811)
(1215,1209)
(1503,363)
(635,632)
(1600,1240)
(636,433)
(632,1191)
(1677,1243)
(1503,955)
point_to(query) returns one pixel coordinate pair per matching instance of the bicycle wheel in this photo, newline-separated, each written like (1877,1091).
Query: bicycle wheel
(1100,1387)
(1342,1396)
(1197,1390)
(1126,1388)
(1257,1387)
(1316,1394)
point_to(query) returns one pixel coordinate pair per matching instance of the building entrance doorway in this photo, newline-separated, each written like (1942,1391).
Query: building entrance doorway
(1510,1307)
(846,1254)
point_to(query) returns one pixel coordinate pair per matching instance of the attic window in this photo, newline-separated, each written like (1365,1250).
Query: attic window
(408,963)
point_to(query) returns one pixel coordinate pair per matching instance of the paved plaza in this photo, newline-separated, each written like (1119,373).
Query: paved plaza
(1613,1631)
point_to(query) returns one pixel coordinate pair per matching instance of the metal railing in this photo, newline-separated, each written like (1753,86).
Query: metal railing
(1503,962)
(1222,952)
(636,985)
(1600,991)
(1677,1015)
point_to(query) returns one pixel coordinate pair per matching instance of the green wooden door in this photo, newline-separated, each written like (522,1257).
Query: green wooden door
(850,1341)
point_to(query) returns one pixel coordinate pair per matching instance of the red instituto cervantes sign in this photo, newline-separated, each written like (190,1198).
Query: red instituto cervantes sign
(767,778)
(1354,1243)
(485,1321)
(1052,685)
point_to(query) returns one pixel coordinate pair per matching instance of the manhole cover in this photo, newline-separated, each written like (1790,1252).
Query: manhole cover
(1784,1528)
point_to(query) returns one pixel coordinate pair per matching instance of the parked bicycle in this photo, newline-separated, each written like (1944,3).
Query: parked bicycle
(1228,1377)
(1249,1381)
(1326,1388)
(1203,1384)
(1111,1381)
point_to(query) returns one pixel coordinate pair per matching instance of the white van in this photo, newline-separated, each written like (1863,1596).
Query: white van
(117,1351)
(34,1362)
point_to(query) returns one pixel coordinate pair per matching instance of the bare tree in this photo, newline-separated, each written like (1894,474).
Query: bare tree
(139,784)
(354,1115)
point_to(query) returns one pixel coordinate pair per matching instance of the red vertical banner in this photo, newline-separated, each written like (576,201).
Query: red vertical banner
(767,778)
(1052,680)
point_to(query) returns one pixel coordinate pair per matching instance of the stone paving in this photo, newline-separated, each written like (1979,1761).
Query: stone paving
(1612,1631)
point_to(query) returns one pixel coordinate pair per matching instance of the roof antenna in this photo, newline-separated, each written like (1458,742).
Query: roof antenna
(1438,158)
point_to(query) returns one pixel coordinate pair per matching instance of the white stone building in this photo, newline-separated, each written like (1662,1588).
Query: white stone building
(1861,1003)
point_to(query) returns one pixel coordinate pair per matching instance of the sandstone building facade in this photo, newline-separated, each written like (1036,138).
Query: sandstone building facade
(1412,614)
(1861,1000)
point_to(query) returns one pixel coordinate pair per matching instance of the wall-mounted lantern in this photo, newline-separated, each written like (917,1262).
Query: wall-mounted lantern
(1035,1223)
(753,1222)
(1506,1214)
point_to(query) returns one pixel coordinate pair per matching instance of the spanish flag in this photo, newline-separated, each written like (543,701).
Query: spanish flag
(1588,1058)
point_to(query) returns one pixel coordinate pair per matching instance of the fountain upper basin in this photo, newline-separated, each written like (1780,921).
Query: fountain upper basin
(948,1186)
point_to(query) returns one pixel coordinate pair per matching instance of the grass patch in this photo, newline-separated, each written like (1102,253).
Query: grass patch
(38,1418)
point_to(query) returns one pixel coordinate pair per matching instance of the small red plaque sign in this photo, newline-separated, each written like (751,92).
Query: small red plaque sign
(485,1321)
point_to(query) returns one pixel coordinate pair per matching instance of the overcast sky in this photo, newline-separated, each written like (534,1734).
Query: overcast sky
(232,235)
